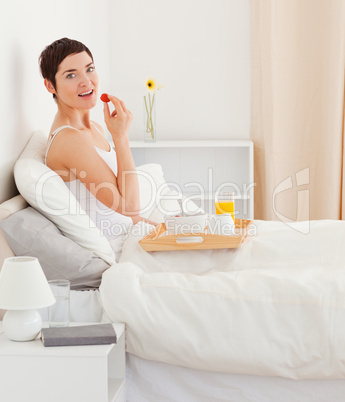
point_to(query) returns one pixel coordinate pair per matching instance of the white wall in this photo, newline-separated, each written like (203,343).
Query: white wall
(199,50)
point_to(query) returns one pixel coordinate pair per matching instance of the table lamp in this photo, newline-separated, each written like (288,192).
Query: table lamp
(23,289)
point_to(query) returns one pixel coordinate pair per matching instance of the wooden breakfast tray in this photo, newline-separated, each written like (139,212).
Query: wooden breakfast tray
(159,240)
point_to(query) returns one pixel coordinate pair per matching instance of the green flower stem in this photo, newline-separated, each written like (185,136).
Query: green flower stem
(149,114)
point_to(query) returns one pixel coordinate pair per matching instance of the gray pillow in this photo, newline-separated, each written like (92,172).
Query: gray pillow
(30,233)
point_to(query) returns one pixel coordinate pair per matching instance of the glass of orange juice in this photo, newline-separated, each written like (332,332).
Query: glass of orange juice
(225,203)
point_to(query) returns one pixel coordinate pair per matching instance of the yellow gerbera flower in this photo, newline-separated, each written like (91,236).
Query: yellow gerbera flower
(151,85)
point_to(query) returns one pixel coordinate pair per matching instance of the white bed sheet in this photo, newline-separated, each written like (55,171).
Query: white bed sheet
(85,306)
(149,381)
(273,307)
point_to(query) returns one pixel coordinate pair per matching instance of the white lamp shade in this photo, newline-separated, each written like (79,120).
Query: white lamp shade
(23,285)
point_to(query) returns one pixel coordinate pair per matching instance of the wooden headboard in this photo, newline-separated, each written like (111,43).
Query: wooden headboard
(8,188)
(7,208)
(10,150)
(11,147)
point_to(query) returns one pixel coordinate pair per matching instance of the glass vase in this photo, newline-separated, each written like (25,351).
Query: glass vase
(150,132)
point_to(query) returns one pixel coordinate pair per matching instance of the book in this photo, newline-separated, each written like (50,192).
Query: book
(97,334)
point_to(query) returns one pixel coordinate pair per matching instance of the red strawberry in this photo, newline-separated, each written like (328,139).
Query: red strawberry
(104,98)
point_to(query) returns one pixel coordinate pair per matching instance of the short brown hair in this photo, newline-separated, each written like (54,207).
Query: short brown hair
(55,53)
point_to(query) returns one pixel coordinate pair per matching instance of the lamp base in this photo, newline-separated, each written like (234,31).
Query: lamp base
(22,325)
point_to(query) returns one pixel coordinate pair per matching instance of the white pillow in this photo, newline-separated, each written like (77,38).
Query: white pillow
(11,206)
(44,190)
(157,199)
(152,186)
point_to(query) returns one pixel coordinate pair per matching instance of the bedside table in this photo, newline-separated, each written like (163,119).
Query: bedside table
(31,372)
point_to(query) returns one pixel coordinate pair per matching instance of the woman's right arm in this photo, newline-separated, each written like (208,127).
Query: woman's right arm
(74,157)
(118,123)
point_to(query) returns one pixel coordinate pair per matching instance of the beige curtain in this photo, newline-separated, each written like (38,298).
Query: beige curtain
(297,118)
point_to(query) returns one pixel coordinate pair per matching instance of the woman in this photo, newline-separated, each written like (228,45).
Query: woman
(103,179)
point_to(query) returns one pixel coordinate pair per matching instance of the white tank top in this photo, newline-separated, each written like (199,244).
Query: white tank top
(111,223)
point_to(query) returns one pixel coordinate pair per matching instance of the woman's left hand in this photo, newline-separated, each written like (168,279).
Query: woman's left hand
(138,218)
(119,121)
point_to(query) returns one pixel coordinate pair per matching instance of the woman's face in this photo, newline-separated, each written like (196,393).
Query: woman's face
(77,82)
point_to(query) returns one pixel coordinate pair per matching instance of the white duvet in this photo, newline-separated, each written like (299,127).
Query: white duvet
(274,306)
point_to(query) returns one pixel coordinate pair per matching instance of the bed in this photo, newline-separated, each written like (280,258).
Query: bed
(260,323)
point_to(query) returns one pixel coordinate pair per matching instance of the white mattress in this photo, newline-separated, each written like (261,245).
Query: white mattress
(149,381)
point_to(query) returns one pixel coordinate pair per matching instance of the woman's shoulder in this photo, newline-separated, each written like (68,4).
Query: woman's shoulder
(57,131)
(65,138)
(64,147)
